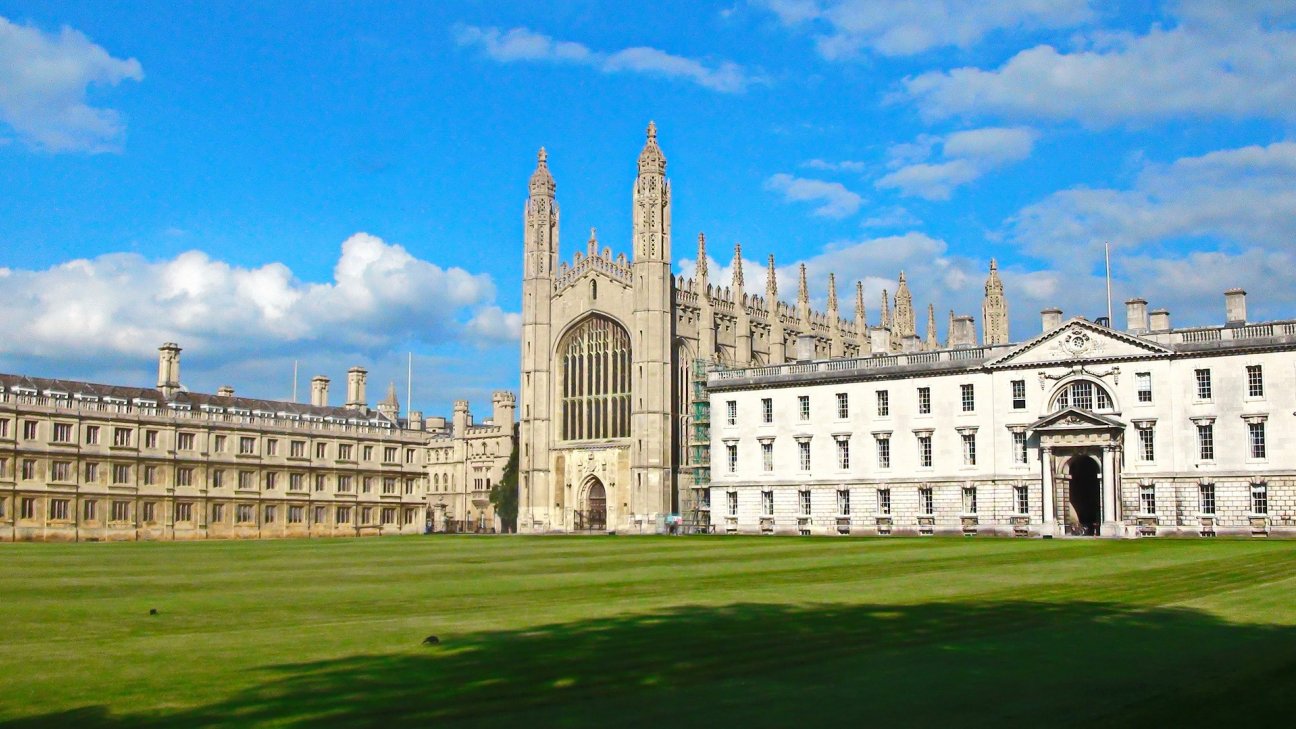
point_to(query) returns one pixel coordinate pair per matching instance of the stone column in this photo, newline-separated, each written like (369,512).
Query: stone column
(1049,506)
(1109,495)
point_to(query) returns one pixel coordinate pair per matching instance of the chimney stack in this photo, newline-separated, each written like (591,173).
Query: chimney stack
(963,334)
(1051,319)
(805,347)
(1160,321)
(319,391)
(1235,307)
(1136,316)
(169,369)
(225,391)
(356,389)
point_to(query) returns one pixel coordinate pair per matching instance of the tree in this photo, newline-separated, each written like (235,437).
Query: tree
(504,494)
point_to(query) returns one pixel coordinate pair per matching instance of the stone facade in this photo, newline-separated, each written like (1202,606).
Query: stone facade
(85,461)
(465,459)
(609,343)
(1081,430)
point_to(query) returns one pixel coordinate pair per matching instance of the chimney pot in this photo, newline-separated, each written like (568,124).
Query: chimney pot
(1136,315)
(1051,319)
(1235,313)
(1160,320)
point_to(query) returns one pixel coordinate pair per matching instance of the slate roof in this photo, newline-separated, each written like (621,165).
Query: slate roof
(195,400)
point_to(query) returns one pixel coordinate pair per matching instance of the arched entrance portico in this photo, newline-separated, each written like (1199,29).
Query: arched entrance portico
(1080,454)
(1084,497)
(592,516)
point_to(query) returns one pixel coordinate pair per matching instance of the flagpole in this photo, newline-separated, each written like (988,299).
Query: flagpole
(294,397)
(409,383)
(1107,255)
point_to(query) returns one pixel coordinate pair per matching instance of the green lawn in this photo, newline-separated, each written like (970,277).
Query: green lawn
(637,631)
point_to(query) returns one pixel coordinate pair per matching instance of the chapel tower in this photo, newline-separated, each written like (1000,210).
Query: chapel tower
(652,453)
(540,259)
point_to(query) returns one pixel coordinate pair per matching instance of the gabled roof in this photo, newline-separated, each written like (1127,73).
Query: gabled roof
(1080,340)
(1075,419)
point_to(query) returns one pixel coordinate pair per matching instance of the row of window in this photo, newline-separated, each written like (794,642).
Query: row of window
(247,445)
(926,501)
(1257,448)
(1080,394)
(120,474)
(1205,499)
(882,450)
(1021,500)
(120,511)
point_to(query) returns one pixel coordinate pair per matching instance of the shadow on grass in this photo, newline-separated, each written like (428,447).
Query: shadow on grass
(776,665)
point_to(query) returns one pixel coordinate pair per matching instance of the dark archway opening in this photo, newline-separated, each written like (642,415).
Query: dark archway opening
(1084,511)
(594,516)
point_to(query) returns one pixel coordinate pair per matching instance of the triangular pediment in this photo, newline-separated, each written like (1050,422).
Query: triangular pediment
(1080,341)
(1074,419)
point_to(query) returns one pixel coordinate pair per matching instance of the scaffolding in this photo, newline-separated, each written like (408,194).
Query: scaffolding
(697,520)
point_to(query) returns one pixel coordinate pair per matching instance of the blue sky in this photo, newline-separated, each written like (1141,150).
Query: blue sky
(342,183)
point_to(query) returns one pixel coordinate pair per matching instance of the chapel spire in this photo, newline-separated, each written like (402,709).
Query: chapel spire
(738,284)
(803,290)
(932,343)
(771,282)
(994,309)
(904,313)
(702,259)
(886,310)
(832,293)
(861,314)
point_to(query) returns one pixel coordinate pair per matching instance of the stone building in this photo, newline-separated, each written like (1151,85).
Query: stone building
(1082,430)
(465,459)
(608,346)
(88,461)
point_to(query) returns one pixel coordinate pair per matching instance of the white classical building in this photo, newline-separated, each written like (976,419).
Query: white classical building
(1082,430)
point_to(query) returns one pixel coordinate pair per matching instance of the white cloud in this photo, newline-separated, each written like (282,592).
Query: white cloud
(524,44)
(893,217)
(1180,235)
(836,201)
(967,155)
(1237,197)
(43,83)
(119,307)
(491,325)
(902,27)
(1231,60)
(829,166)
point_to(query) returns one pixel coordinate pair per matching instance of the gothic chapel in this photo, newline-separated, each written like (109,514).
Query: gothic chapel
(608,344)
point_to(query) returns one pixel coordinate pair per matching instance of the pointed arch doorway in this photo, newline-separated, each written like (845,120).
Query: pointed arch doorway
(592,516)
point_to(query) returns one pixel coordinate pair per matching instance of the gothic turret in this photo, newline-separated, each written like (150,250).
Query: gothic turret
(778,336)
(932,342)
(652,488)
(904,312)
(836,344)
(390,406)
(994,309)
(803,301)
(743,337)
(861,321)
(706,309)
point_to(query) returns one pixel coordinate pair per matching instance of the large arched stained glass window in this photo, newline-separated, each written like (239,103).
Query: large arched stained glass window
(1084,395)
(595,381)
